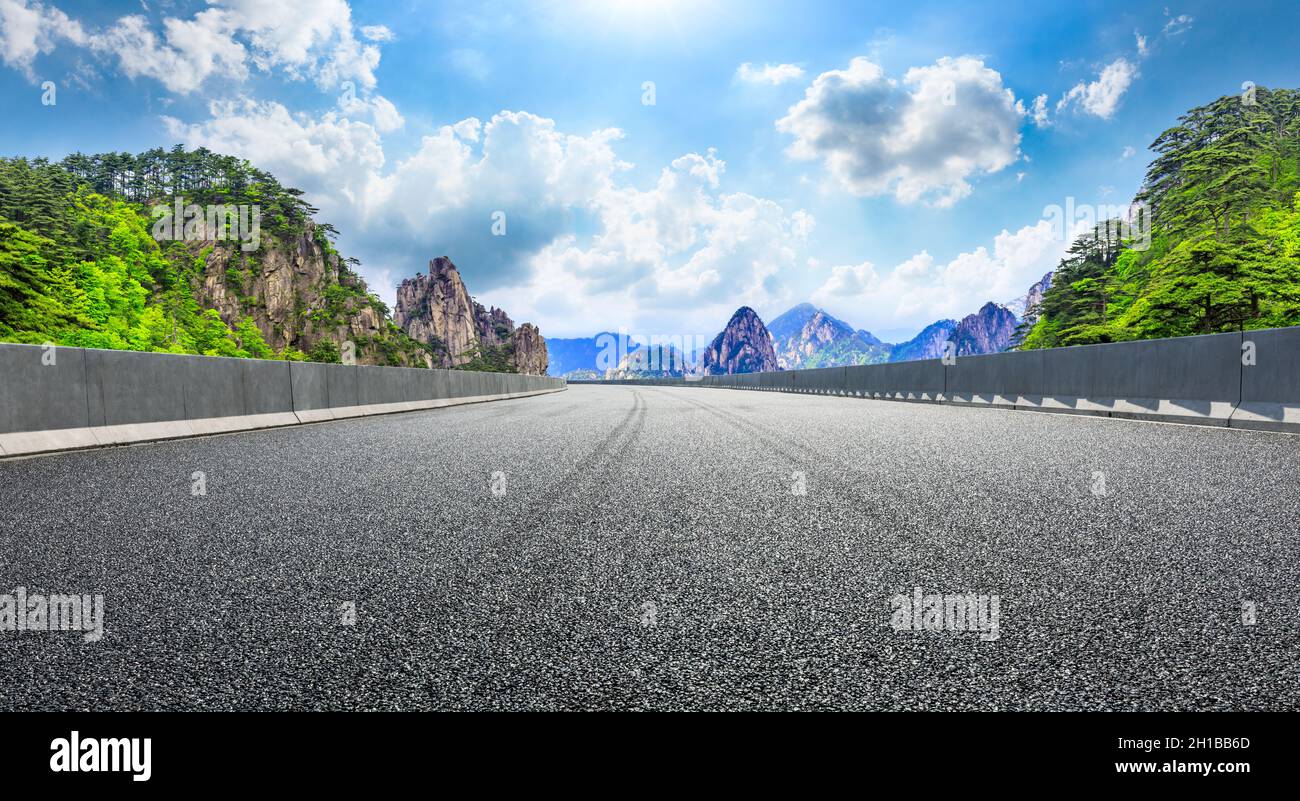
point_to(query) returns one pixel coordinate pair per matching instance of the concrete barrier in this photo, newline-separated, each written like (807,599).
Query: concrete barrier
(1197,379)
(914,381)
(1270,388)
(224,394)
(996,379)
(44,389)
(64,398)
(309,385)
(1188,379)
(441,384)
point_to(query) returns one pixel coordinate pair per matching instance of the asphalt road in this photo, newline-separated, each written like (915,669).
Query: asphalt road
(649,548)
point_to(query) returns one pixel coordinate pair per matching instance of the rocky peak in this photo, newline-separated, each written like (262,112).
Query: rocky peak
(437,309)
(806,336)
(990,330)
(744,346)
(530,350)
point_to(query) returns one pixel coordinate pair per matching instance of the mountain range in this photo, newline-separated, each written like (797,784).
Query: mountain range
(806,337)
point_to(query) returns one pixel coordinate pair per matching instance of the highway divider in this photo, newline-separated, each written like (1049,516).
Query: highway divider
(1245,379)
(56,398)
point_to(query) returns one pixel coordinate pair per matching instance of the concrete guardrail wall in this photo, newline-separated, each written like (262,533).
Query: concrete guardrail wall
(1242,380)
(60,398)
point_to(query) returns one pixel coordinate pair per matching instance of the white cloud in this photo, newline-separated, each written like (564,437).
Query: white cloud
(921,139)
(1142,46)
(1177,25)
(1129,152)
(378,108)
(192,51)
(28,29)
(1037,113)
(847,282)
(774,74)
(303,39)
(377,33)
(1101,97)
(920,290)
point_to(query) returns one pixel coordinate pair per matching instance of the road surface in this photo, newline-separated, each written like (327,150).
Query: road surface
(617,547)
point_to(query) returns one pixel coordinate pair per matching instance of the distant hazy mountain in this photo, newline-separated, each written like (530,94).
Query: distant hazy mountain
(579,358)
(806,337)
(568,355)
(926,345)
(653,361)
(744,346)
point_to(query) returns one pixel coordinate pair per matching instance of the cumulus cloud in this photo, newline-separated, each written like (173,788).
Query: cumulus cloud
(922,138)
(378,108)
(28,29)
(1037,112)
(1142,48)
(774,74)
(189,52)
(306,38)
(921,290)
(1101,97)
(303,39)
(678,257)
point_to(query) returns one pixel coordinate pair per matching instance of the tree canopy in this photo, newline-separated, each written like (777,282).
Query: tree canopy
(1224,255)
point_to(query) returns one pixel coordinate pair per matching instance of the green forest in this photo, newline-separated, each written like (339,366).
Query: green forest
(1224,254)
(79,264)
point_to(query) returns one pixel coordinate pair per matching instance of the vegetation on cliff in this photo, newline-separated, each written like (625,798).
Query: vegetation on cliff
(80,264)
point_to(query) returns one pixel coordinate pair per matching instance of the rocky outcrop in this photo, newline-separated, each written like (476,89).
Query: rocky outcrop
(530,350)
(744,346)
(437,309)
(300,294)
(1031,304)
(806,337)
(990,330)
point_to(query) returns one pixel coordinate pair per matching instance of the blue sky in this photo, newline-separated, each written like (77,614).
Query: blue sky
(888,161)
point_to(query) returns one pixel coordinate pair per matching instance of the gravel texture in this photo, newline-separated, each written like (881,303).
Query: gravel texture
(650,551)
